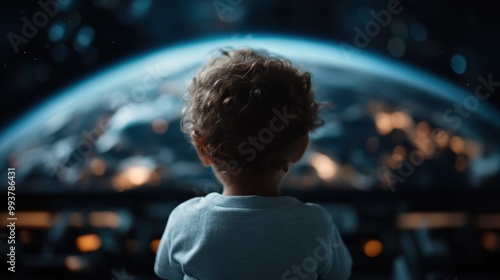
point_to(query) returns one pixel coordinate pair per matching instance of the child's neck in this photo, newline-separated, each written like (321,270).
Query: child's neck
(258,184)
(238,191)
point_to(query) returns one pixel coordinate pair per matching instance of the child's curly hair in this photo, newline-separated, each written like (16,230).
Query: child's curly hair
(244,97)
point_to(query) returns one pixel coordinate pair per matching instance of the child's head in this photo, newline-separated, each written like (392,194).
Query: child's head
(248,111)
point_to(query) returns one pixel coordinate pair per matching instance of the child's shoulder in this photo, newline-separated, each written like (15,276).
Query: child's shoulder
(187,206)
(185,212)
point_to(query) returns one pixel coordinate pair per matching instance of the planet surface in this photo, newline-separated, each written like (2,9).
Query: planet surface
(387,126)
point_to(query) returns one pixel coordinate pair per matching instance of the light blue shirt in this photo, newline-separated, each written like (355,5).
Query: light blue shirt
(220,237)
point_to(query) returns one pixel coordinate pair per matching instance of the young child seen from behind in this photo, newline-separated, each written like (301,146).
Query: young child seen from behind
(248,116)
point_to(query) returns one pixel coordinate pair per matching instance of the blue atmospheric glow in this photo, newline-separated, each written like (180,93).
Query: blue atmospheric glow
(458,64)
(65,5)
(56,32)
(140,8)
(85,36)
(172,58)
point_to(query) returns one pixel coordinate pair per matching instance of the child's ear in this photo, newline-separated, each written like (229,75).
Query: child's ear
(200,148)
(301,148)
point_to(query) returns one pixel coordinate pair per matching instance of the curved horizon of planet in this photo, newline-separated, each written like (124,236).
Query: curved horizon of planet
(351,82)
(198,50)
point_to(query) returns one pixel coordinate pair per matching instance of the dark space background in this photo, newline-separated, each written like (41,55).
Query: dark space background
(468,28)
(86,37)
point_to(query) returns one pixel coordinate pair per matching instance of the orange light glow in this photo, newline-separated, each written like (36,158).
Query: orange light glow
(138,175)
(88,243)
(383,123)
(154,245)
(457,145)
(373,248)
(97,166)
(132,177)
(325,166)
(418,220)
(398,155)
(160,126)
(400,120)
(423,129)
(442,138)
(490,241)
(399,150)
(104,219)
(472,149)
(31,219)
(74,263)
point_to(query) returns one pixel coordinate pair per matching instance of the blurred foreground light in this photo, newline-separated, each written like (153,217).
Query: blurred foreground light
(140,8)
(84,37)
(98,166)
(442,138)
(473,149)
(154,245)
(104,219)
(458,64)
(325,166)
(419,220)
(56,32)
(88,243)
(457,145)
(373,248)
(383,123)
(74,263)
(489,241)
(160,126)
(423,129)
(400,150)
(138,175)
(132,177)
(31,219)
(398,155)
(400,120)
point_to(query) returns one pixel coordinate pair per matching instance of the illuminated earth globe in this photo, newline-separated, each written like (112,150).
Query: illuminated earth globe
(388,127)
